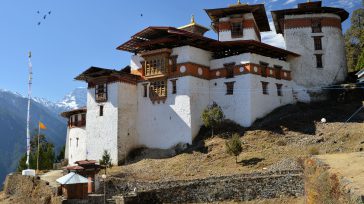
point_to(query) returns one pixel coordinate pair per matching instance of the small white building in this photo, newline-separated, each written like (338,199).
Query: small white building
(175,73)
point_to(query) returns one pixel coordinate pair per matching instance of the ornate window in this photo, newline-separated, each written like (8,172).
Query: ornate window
(230,88)
(236,29)
(318,42)
(264,67)
(101,93)
(279,89)
(158,89)
(265,87)
(277,71)
(229,70)
(319,60)
(155,66)
(316,26)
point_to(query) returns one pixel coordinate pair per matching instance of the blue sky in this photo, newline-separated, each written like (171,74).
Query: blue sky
(83,33)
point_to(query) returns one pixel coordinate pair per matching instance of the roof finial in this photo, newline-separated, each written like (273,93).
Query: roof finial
(239,2)
(308,0)
(193,19)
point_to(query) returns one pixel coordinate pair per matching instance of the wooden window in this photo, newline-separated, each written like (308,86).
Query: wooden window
(318,42)
(264,67)
(174,86)
(277,71)
(230,88)
(236,29)
(157,89)
(265,87)
(316,26)
(145,90)
(101,93)
(319,60)
(76,120)
(229,70)
(83,120)
(101,112)
(279,89)
(173,63)
(156,65)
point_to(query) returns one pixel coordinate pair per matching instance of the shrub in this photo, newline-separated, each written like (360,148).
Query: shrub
(313,151)
(234,146)
(106,159)
(212,116)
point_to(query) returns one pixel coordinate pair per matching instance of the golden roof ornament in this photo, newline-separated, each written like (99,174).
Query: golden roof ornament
(193,19)
(238,3)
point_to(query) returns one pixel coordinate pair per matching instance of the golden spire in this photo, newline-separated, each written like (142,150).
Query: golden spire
(193,19)
(239,2)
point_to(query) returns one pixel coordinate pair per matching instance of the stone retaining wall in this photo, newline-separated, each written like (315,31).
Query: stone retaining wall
(235,187)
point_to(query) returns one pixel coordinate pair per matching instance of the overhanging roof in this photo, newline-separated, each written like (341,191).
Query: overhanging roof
(96,72)
(278,15)
(258,11)
(153,38)
(67,114)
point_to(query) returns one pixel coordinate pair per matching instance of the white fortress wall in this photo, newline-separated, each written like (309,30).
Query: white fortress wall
(236,107)
(237,59)
(263,104)
(165,124)
(199,92)
(77,144)
(304,70)
(127,113)
(102,131)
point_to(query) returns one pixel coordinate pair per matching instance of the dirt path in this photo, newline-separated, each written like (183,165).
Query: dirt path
(51,177)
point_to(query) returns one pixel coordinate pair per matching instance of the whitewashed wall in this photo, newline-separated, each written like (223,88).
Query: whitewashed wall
(76,152)
(304,70)
(127,118)
(236,107)
(163,125)
(102,131)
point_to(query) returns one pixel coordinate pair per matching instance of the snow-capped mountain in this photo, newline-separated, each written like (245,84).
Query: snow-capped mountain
(76,99)
(13,109)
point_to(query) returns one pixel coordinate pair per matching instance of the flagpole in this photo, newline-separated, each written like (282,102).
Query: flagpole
(38,148)
(28,110)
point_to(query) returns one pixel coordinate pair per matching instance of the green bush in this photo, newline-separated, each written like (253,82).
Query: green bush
(212,116)
(106,159)
(234,146)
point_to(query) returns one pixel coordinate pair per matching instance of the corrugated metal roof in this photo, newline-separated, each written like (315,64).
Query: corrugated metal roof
(72,178)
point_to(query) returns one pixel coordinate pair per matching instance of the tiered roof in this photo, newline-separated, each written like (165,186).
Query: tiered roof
(153,38)
(306,8)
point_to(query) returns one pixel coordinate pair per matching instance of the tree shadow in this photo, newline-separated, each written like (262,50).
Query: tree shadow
(251,162)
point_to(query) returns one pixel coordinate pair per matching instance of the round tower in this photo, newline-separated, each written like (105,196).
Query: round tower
(314,32)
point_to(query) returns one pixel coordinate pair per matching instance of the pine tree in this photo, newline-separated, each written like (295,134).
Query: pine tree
(234,146)
(106,159)
(212,116)
(46,154)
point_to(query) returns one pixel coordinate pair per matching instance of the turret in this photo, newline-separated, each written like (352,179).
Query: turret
(239,22)
(314,32)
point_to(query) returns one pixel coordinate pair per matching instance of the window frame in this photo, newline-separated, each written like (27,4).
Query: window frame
(319,61)
(174,86)
(263,68)
(101,110)
(173,58)
(279,89)
(237,29)
(145,90)
(278,71)
(316,26)
(101,94)
(265,87)
(229,68)
(230,87)
(317,42)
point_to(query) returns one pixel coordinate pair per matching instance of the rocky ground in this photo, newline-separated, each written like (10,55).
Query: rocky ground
(280,141)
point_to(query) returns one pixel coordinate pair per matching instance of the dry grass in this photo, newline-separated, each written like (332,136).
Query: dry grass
(263,145)
(270,201)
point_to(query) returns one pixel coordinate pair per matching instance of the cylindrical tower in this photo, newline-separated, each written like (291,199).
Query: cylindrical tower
(315,33)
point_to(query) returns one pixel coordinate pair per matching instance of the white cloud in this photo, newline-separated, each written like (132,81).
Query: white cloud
(289,2)
(272,38)
(344,3)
